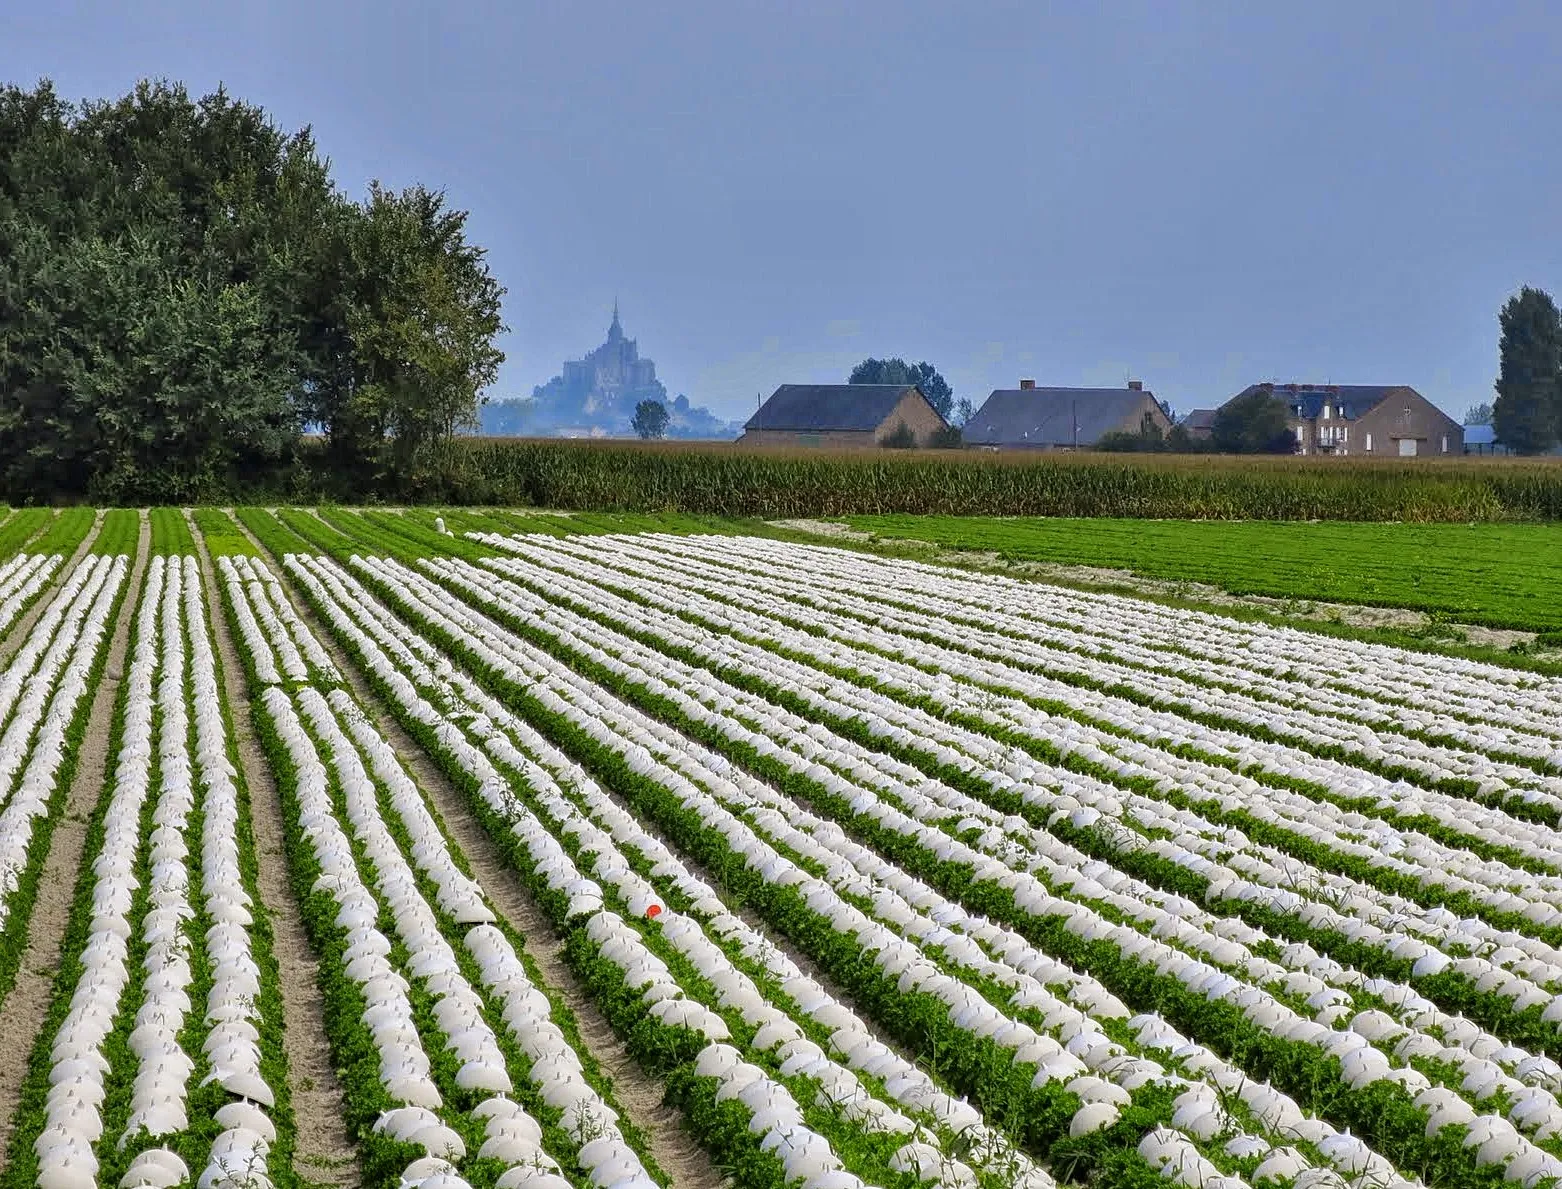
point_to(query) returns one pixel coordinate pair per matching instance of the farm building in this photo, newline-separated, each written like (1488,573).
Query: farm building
(1377,419)
(1482,439)
(1032,418)
(1200,423)
(841,415)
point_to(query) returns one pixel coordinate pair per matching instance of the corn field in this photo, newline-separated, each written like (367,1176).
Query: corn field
(720,479)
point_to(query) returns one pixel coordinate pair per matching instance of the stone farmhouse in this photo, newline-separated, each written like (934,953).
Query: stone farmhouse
(1380,420)
(841,415)
(1032,418)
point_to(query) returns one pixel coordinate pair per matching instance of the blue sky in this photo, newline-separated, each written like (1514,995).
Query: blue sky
(1200,195)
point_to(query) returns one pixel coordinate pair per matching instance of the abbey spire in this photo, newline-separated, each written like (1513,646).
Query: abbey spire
(595,396)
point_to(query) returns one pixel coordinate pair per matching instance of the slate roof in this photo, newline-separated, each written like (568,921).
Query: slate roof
(1479,435)
(825,408)
(1200,419)
(1046,416)
(1352,400)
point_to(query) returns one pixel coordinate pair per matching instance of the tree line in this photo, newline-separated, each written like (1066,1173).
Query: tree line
(187,299)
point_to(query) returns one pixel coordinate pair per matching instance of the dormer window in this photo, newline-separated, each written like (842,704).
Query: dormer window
(1325,412)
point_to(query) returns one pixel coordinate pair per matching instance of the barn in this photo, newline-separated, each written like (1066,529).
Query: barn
(1032,418)
(842,415)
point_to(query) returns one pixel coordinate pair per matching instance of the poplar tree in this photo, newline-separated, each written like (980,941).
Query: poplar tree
(1527,414)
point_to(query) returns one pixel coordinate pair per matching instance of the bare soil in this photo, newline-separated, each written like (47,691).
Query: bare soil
(323,1152)
(1302,610)
(640,1095)
(28,1002)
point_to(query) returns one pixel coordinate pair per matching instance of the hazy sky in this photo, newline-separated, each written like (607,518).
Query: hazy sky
(1202,195)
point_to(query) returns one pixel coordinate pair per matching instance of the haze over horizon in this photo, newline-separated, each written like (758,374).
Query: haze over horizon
(1197,195)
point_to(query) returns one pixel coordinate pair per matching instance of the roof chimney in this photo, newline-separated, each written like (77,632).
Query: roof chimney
(1027,385)
(1135,385)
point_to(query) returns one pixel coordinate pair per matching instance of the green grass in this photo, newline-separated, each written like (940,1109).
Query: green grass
(20,527)
(517,520)
(310,532)
(465,520)
(271,533)
(223,537)
(389,532)
(170,533)
(67,531)
(120,532)
(1500,575)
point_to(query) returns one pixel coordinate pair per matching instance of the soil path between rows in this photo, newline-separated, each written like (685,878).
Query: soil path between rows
(28,1003)
(23,627)
(323,1152)
(670,1143)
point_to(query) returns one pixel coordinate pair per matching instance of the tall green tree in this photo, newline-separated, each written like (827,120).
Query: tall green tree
(897,371)
(1254,423)
(182,288)
(1527,414)
(650,419)
(148,383)
(148,250)
(408,336)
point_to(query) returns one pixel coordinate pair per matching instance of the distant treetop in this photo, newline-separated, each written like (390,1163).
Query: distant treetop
(897,371)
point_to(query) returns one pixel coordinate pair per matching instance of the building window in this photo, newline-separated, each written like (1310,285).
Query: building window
(1325,412)
(1445,443)
(1344,433)
(1369,441)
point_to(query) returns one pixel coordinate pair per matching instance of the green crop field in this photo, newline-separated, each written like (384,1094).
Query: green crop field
(509,776)
(1501,575)
(719,479)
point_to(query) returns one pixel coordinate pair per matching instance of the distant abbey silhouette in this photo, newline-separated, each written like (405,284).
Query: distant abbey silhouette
(596,396)
(604,387)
